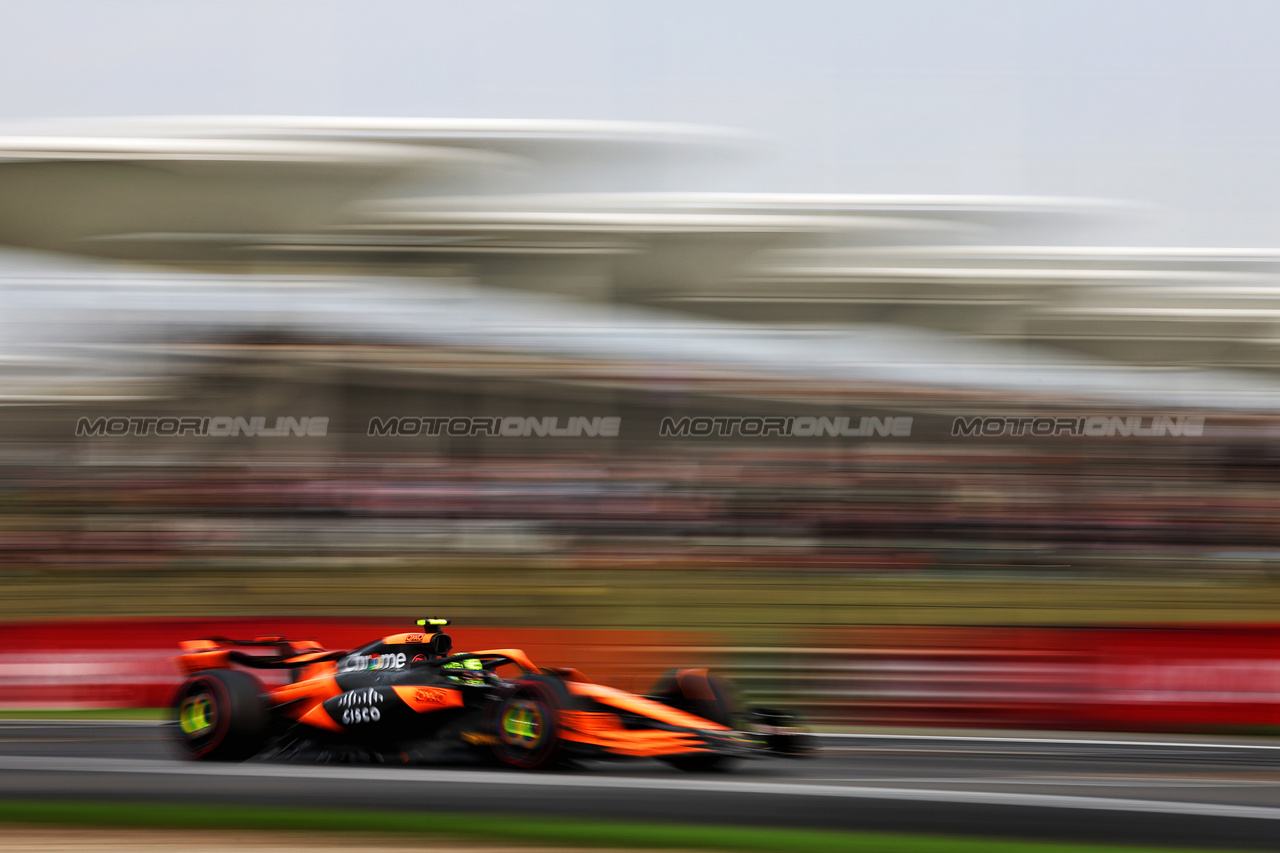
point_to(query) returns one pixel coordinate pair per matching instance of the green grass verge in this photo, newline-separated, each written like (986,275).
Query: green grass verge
(86,714)
(531,830)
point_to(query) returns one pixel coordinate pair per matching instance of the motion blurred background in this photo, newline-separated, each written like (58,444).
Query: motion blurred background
(717,223)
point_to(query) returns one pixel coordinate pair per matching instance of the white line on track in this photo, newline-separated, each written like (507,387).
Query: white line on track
(1065,782)
(1011,739)
(455,778)
(1059,741)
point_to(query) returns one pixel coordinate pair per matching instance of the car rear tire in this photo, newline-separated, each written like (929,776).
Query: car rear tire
(524,722)
(220,715)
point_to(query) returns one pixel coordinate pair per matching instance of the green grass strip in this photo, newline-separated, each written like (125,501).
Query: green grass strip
(86,714)
(567,832)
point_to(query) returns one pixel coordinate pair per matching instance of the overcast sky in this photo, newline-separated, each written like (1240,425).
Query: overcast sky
(1176,103)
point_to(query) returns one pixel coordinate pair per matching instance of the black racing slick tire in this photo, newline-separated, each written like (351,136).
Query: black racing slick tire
(524,722)
(220,715)
(701,694)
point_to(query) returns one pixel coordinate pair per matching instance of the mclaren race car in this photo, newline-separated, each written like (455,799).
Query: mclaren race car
(408,697)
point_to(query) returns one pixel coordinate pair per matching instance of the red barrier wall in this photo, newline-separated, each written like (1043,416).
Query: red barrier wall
(1197,677)
(129,664)
(1187,677)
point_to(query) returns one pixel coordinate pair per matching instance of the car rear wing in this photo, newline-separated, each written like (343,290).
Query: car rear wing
(222,652)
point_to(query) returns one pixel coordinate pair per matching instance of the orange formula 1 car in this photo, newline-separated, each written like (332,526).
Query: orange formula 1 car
(406,697)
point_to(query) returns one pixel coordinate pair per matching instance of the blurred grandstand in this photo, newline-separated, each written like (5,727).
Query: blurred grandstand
(355,269)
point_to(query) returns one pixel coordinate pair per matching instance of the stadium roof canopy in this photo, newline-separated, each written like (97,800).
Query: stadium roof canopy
(534,236)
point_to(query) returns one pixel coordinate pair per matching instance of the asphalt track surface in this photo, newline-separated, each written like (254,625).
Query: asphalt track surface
(1208,793)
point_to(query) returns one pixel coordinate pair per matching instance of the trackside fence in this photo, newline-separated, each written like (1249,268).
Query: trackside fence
(1174,678)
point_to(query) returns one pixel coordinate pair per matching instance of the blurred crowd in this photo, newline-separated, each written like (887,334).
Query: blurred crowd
(1061,508)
